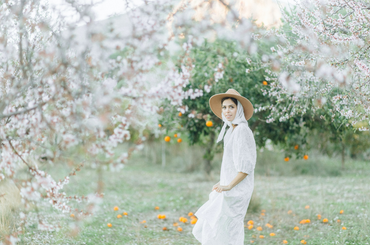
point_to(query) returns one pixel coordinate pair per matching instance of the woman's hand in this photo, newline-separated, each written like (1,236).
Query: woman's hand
(215,186)
(222,188)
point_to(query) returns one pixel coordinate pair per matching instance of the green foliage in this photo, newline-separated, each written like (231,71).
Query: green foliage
(319,119)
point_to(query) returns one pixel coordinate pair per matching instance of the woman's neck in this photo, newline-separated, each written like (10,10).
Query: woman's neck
(234,125)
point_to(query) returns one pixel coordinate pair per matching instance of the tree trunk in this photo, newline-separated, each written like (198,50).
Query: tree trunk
(163,154)
(208,156)
(100,179)
(343,148)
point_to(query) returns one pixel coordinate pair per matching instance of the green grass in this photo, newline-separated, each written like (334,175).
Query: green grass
(279,187)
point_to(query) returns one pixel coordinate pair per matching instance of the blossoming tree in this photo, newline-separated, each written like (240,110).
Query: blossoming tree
(59,95)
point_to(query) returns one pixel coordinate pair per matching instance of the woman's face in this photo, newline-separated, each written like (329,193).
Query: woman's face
(229,109)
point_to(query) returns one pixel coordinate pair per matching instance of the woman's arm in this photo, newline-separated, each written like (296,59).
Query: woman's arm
(239,177)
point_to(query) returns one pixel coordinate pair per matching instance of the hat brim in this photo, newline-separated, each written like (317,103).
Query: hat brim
(215,104)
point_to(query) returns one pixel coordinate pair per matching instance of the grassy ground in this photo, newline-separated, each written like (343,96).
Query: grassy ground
(283,194)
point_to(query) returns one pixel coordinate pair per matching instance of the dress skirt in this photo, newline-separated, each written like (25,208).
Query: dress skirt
(217,224)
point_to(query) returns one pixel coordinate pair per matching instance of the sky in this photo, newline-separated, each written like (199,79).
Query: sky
(106,8)
(103,9)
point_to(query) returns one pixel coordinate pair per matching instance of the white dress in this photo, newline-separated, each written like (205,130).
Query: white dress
(221,218)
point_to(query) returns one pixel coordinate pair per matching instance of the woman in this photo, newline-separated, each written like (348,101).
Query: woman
(221,218)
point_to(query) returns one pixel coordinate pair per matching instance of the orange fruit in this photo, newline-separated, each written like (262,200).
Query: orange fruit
(181,218)
(159,125)
(163,216)
(272,234)
(296,228)
(252,241)
(325,220)
(262,213)
(308,221)
(190,214)
(164,228)
(179,140)
(209,123)
(341,211)
(268,225)
(180,114)
(307,207)
(344,228)
(175,135)
(262,236)
(119,216)
(338,220)
(250,222)
(286,159)
(175,224)
(179,228)
(115,208)
(250,227)
(319,216)
(303,242)
(109,225)
(264,83)
(305,157)
(193,221)
(259,228)
(144,221)
(124,213)
(290,211)
(72,215)
(167,138)
(285,241)
(184,220)
(296,147)
(156,208)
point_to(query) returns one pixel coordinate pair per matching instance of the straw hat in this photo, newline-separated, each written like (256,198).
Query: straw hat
(215,103)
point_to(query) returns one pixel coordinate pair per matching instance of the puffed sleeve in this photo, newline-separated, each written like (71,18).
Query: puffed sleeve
(244,150)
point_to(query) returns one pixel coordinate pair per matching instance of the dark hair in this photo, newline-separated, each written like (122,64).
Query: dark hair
(233,99)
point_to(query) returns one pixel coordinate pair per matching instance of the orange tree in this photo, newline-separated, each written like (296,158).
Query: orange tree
(221,65)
